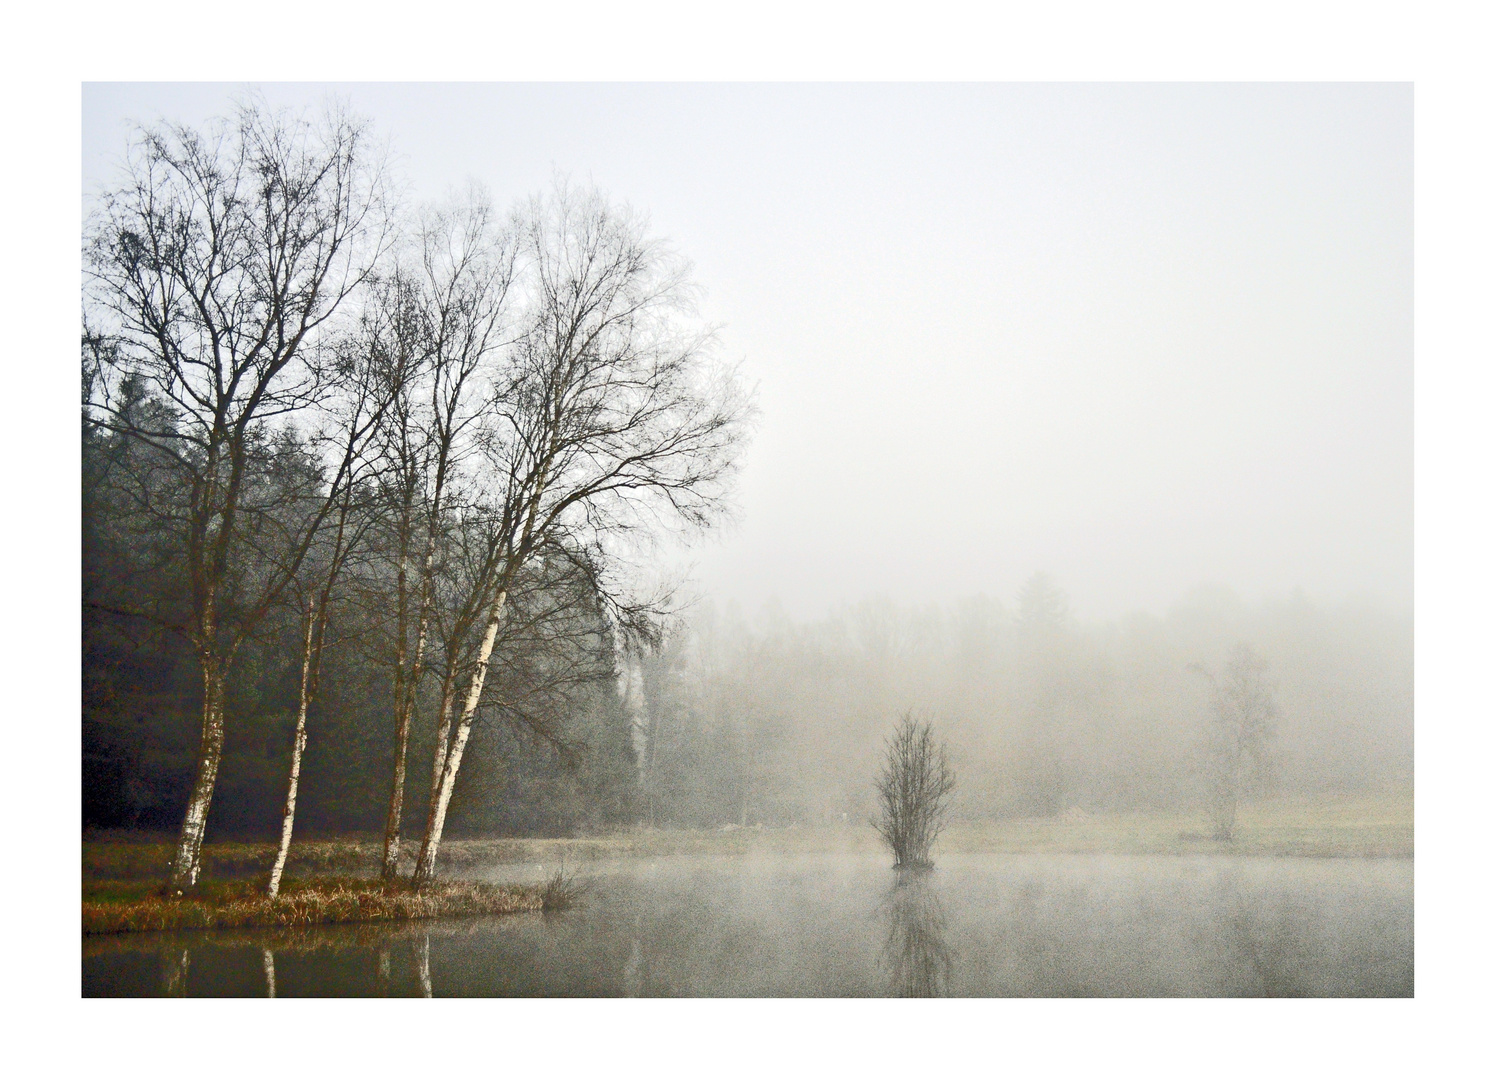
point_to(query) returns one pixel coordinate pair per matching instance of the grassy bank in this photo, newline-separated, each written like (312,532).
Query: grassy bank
(115,907)
(302,940)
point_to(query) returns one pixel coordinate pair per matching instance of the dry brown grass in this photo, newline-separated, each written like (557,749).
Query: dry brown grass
(116,908)
(122,856)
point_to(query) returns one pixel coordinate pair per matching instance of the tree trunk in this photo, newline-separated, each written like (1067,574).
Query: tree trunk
(1227,790)
(288,813)
(1225,816)
(391,864)
(426,864)
(390,867)
(443,739)
(650,757)
(405,701)
(187,863)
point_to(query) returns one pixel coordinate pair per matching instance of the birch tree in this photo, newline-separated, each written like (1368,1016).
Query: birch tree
(215,268)
(612,420)
(553,665)
(459,290)
(376,363)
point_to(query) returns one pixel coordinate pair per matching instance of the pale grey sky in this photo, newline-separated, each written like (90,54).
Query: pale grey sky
(1142,337)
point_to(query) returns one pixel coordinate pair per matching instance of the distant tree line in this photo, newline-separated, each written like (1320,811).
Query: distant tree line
(780,721)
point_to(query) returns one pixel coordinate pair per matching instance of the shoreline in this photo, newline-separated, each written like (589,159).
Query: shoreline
(111,908)
(1365,828)
(335,881)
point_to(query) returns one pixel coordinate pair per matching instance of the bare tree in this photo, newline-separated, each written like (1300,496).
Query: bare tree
(611,421)
(913,790)
(373,370)
(553,664)
(459,293)
(1243,715)
(214,269)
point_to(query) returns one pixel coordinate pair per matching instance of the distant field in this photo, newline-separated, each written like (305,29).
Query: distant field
(1366,827)
(1314,828)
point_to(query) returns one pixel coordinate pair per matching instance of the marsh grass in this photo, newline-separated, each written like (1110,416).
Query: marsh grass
(303,940)
(117,907)
(560,892)
(125,856)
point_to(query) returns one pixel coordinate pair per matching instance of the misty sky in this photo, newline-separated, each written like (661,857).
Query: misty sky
(1139,337)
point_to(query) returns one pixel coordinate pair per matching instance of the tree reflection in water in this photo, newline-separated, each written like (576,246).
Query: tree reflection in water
(174,962)
(915,957)
(1261,941)
(423,965)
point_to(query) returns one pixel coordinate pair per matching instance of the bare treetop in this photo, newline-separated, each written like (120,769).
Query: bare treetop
(616,413)
(223,254)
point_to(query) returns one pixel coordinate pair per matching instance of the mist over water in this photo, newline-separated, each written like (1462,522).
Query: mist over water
(847,926)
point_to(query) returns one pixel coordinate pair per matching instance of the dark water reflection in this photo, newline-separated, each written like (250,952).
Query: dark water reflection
(915,953)
(844,926)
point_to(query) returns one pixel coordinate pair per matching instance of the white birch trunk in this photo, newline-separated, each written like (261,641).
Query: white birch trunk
(426,866)
(187,863)
(390,864)
(406,710)
(443,738)
(268,958)
(288,813)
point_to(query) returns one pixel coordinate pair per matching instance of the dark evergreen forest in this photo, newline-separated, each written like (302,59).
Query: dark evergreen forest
(551,762)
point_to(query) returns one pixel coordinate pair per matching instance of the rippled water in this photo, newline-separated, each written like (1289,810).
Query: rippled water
(845,926)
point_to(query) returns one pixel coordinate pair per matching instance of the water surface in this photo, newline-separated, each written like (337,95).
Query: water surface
(844,926)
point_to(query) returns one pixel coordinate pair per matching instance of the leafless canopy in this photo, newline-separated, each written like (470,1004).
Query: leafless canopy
(213,272)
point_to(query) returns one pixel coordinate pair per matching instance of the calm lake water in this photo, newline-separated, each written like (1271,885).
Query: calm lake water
(845,926)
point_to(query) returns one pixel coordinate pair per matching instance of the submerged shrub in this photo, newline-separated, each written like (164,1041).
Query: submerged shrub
(913,790)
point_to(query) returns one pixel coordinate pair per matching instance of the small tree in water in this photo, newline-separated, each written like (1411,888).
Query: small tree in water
(913,789)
